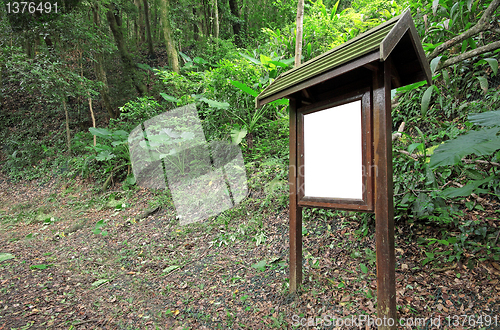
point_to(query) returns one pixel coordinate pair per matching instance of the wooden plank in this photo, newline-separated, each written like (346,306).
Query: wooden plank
(295,211)
(394,36)
(384,205)
(404,26)
(322,77)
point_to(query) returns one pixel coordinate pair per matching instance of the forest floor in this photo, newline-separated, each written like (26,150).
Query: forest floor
(62,268)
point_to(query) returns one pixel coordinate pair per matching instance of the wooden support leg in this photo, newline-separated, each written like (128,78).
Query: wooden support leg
(295,216)
(384,208)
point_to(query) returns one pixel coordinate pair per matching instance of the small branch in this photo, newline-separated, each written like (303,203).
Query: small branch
(482,24)
(469,54)
(445,268)
(398,134)
(413,156)
(479,161)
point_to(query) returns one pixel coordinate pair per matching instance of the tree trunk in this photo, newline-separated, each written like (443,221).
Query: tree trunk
(151,51)
(68,134)
(139,21)
(298,37)
(100,72)
(173,58)
(129,67)
(233,5)
(92,115)
(195,26)
(216,10)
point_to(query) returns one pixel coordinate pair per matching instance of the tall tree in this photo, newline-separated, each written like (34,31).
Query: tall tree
(298,37)
(129,67)
(139,22)
(173,58)
(216,11)
(99,69)
(235,12)
(149,39)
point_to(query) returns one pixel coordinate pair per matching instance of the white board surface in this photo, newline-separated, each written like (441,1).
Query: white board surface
(333,152)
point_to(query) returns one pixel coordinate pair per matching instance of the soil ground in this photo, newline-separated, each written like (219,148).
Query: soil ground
(70,271)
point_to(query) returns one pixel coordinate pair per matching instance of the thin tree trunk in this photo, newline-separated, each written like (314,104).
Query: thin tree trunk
(129,67)
(68,134)
(173,58)
(216,10)
(233,5)
(151,51)
(195,26)
(92,115)
(139,22)
(100,72)
(298,38)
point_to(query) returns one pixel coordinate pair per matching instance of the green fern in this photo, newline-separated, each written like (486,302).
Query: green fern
(481,143)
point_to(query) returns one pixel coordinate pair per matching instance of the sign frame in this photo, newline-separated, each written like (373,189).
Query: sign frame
(366,203)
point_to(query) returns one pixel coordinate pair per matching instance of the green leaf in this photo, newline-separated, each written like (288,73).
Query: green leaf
(244,88)
(261,265)
(472,43)
(105,155)
(493,64)
(101,132)
(215,104)
(169,98)
(483,82)
(466,190)
(199,60)
(435,4)
(99,283)
(364,269)
(185,57)
(42,266)
(280,64)
(280,102)
(446,78)
(482,142)
(426,99)
(238,134)
(264,59)
(490,118)
(334,10)
(144,66)
(171,268)
(411,86)
(251,59)
(434,64)
(6,256)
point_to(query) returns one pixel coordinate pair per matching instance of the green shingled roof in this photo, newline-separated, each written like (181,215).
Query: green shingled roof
(361,45)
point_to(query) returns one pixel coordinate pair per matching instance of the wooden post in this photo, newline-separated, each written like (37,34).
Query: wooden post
(295,216)
(384,208)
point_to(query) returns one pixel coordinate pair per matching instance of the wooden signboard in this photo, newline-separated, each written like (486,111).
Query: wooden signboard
(340,136)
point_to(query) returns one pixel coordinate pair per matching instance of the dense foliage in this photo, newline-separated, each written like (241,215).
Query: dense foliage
(71,66)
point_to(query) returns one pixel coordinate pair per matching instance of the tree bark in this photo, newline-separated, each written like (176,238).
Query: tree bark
(173,58)
(100,72)
(129,67)
(216,11)
(195,26)
(233,5)
(298,37)
(482,25)
(469,54)
(68,134)
(151,51)
(139,21)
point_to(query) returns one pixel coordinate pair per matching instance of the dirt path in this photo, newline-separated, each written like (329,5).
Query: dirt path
(78,272)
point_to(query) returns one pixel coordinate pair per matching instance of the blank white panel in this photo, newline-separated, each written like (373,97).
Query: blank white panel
(333,152)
